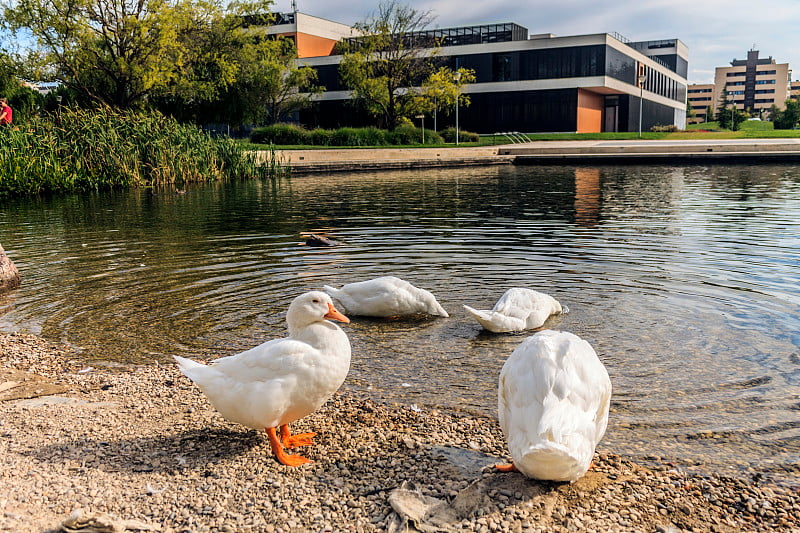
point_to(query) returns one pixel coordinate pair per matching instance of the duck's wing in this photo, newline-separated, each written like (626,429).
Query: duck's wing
(272,360)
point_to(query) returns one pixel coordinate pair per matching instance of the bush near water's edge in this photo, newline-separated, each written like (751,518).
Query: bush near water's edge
(80,150)
(404,134)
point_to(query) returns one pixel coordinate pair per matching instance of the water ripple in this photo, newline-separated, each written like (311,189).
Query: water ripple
(685,281)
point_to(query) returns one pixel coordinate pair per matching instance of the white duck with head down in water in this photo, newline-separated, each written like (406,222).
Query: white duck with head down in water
(553,401)
(517,310)
(386,296)
(282,380)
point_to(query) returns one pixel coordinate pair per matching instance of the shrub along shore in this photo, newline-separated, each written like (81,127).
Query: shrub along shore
(404,134)
(81,150)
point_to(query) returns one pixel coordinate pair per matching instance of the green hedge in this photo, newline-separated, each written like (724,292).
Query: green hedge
(290,134)
(464,136)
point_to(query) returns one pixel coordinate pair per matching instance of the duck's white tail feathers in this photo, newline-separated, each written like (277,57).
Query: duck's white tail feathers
(439,310)
(480,316)
(551,461)
(191,369)
(333,293)
(489,319)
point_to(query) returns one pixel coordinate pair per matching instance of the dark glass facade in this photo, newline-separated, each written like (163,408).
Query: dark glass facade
(554,110)
(525,111)
(552,63)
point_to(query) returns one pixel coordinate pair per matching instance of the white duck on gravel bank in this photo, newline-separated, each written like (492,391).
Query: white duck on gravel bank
(517,310)
(386,296)
(283,380)
(553,401)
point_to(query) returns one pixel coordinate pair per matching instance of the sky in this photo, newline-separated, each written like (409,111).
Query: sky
(715,31)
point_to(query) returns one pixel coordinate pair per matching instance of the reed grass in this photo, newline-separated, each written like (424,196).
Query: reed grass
(80,150)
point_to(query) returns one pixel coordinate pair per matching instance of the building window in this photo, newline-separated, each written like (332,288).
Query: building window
(734,83)
(766,72)
(765,91)
(733,74)
(581,61)
(765,101)
(501,67)
(765,82)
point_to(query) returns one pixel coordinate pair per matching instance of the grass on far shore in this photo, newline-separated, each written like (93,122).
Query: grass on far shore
(750,129)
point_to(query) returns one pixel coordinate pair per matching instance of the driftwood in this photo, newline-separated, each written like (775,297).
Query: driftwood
(318,240)
(9,275)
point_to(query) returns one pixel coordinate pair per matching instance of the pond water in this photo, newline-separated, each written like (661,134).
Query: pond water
(684,279)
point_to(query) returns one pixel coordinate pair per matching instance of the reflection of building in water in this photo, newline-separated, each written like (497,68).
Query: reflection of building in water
(587,196)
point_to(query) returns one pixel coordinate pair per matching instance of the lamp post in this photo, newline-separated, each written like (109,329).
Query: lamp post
(435,107)
(733,109)
(641,79)
(457,78)
(422,117)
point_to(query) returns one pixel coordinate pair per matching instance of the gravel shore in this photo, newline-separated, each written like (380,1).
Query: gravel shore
(143,445)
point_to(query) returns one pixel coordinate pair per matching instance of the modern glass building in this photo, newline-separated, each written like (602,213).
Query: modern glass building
(539,83)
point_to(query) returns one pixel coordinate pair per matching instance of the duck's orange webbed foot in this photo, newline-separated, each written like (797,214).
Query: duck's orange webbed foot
(280,453)
(510,467)
(294,441)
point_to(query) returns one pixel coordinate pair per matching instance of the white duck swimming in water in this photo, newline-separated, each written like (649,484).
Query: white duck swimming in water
(518,309)
(386,296)
(282,380)
(553,400)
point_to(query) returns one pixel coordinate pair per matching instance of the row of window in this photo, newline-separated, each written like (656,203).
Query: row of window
(758,73)
(554,63)
(758,82)
(700,91)
(757,100)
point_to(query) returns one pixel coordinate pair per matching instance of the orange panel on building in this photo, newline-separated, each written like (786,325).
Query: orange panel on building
(313,46)
(590,112)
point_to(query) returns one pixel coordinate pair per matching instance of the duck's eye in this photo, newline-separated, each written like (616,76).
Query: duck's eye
(315,301)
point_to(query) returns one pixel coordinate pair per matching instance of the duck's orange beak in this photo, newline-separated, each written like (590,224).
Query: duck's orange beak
(333,314)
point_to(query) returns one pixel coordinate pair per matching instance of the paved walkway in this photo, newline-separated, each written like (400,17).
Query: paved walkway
(541,152)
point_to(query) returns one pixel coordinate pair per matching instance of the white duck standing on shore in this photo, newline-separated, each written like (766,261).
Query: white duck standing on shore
(517,310)
(386,296)
(553,401)
(283,380)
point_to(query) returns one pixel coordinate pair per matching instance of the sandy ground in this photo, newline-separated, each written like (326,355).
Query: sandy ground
(143,450)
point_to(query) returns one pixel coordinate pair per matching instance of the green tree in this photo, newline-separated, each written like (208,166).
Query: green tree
(709,113)
(728,116)
(23,99)
(787,118)
(271,84)
(123,52)
(385,65)
(440,90)
(690,112)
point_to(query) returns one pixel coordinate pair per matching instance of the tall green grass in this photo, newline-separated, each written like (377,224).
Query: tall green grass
(81,150)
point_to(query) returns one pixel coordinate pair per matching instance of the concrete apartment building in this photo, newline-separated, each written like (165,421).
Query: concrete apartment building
(794,90)
(700,97)
(753,84)
(526,83)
